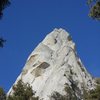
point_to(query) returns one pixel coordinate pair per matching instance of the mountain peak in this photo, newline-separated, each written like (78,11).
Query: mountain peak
(57,38)
(59,33)
(53,64)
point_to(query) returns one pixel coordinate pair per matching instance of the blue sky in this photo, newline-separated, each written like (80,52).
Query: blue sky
(26,22)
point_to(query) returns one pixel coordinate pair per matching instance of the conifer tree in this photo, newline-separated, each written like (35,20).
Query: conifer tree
(2,94)
(22,91)
(94,9)
(3,5)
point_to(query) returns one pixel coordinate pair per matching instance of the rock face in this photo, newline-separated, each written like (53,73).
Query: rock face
(53,64)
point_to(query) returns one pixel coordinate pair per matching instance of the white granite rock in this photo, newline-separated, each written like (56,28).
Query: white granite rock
(54,63)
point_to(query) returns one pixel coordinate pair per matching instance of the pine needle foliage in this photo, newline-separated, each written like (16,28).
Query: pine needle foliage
(2,94)
(22,91)
(94,9)
(3,5)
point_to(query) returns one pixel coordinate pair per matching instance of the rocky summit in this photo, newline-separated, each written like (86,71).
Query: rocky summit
(54,67)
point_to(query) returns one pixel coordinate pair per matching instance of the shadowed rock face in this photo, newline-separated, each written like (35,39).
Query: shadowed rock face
(31,59)
(54,63)
(44,65)
(40,69)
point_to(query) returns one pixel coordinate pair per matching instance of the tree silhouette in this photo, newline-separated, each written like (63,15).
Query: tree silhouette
(3,5)
(2,41)
(2,94)
(94,9)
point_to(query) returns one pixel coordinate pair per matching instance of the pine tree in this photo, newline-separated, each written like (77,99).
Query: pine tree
(22,91)
(3,5)
(2,94)
(94,9)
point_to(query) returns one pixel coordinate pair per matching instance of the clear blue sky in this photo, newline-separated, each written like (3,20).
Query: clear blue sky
(26,22)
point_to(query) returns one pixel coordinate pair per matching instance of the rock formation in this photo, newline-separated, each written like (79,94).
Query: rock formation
(53,64)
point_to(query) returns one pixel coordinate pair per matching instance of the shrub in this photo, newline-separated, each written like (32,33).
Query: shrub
(58,96)
(92,94)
